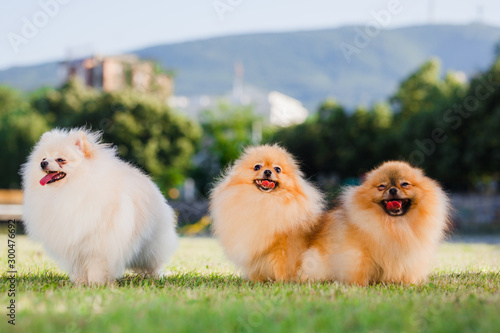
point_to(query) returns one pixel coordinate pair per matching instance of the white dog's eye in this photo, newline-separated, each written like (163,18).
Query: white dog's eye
(381,187)
(257,167)
(278,169)
(60,160)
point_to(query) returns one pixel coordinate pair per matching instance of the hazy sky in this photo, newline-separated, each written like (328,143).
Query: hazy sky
(81,27)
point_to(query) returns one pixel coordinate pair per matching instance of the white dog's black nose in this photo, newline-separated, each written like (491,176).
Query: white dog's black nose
(268,173)
(44,164)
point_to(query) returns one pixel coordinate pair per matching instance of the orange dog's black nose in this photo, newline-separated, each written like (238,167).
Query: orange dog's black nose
(44,164)
(393,191)
(268,173)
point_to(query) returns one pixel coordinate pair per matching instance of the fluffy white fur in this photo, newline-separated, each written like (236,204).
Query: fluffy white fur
(105,216)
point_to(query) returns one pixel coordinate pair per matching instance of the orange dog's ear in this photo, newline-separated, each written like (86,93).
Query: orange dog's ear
(84,144)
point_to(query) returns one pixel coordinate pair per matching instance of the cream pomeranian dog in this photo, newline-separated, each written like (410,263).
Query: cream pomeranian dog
(95,214)
(262,210)
(385,230)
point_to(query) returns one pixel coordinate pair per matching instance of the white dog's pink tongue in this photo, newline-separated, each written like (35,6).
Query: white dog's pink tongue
(47,178)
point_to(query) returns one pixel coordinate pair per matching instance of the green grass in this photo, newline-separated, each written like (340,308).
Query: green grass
(204,293)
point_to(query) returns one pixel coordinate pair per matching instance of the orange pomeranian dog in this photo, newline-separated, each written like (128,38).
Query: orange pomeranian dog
(261,211)
(385,230)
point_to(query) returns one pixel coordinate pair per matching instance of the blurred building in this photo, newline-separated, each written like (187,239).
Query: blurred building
(121,72)
(285,110)
(276,108)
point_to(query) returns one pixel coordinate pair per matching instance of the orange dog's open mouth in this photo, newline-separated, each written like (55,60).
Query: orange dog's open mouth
(265,185)
(52,177)
(396,207)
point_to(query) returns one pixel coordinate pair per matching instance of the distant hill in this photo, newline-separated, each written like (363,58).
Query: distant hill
(309,66)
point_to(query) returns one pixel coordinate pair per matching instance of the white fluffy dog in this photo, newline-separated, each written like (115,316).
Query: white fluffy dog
(95,214)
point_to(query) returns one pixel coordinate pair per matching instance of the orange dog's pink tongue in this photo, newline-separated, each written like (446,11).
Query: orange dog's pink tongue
(268,184)
(393,205)
(47,178)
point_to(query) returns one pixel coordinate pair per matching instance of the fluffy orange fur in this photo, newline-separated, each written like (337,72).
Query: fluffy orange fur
(361,243)
(263,231)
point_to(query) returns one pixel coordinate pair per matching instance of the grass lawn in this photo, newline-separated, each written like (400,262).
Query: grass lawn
(205,294)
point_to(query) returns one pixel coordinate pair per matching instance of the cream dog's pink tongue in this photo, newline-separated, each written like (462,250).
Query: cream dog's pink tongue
(47,178)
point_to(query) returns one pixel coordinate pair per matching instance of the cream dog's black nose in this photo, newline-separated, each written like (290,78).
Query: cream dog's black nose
(268,173)
(44,164)
(393,191)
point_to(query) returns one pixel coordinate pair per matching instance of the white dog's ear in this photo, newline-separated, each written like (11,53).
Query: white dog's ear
(84,144)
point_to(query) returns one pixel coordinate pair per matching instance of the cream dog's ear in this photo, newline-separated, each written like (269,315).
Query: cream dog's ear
(84,144)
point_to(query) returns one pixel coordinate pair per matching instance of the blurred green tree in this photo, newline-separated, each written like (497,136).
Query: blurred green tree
(20,128)
(481,126)
(64,106)
(227,129)
(146,132)
(420,90)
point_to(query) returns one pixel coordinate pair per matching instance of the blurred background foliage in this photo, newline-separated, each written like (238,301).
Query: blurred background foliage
(448,126)
(226,130)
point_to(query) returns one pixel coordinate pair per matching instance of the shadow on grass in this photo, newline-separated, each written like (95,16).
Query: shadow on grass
(190,280)
(48,280)
(488,281)
(43,280)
